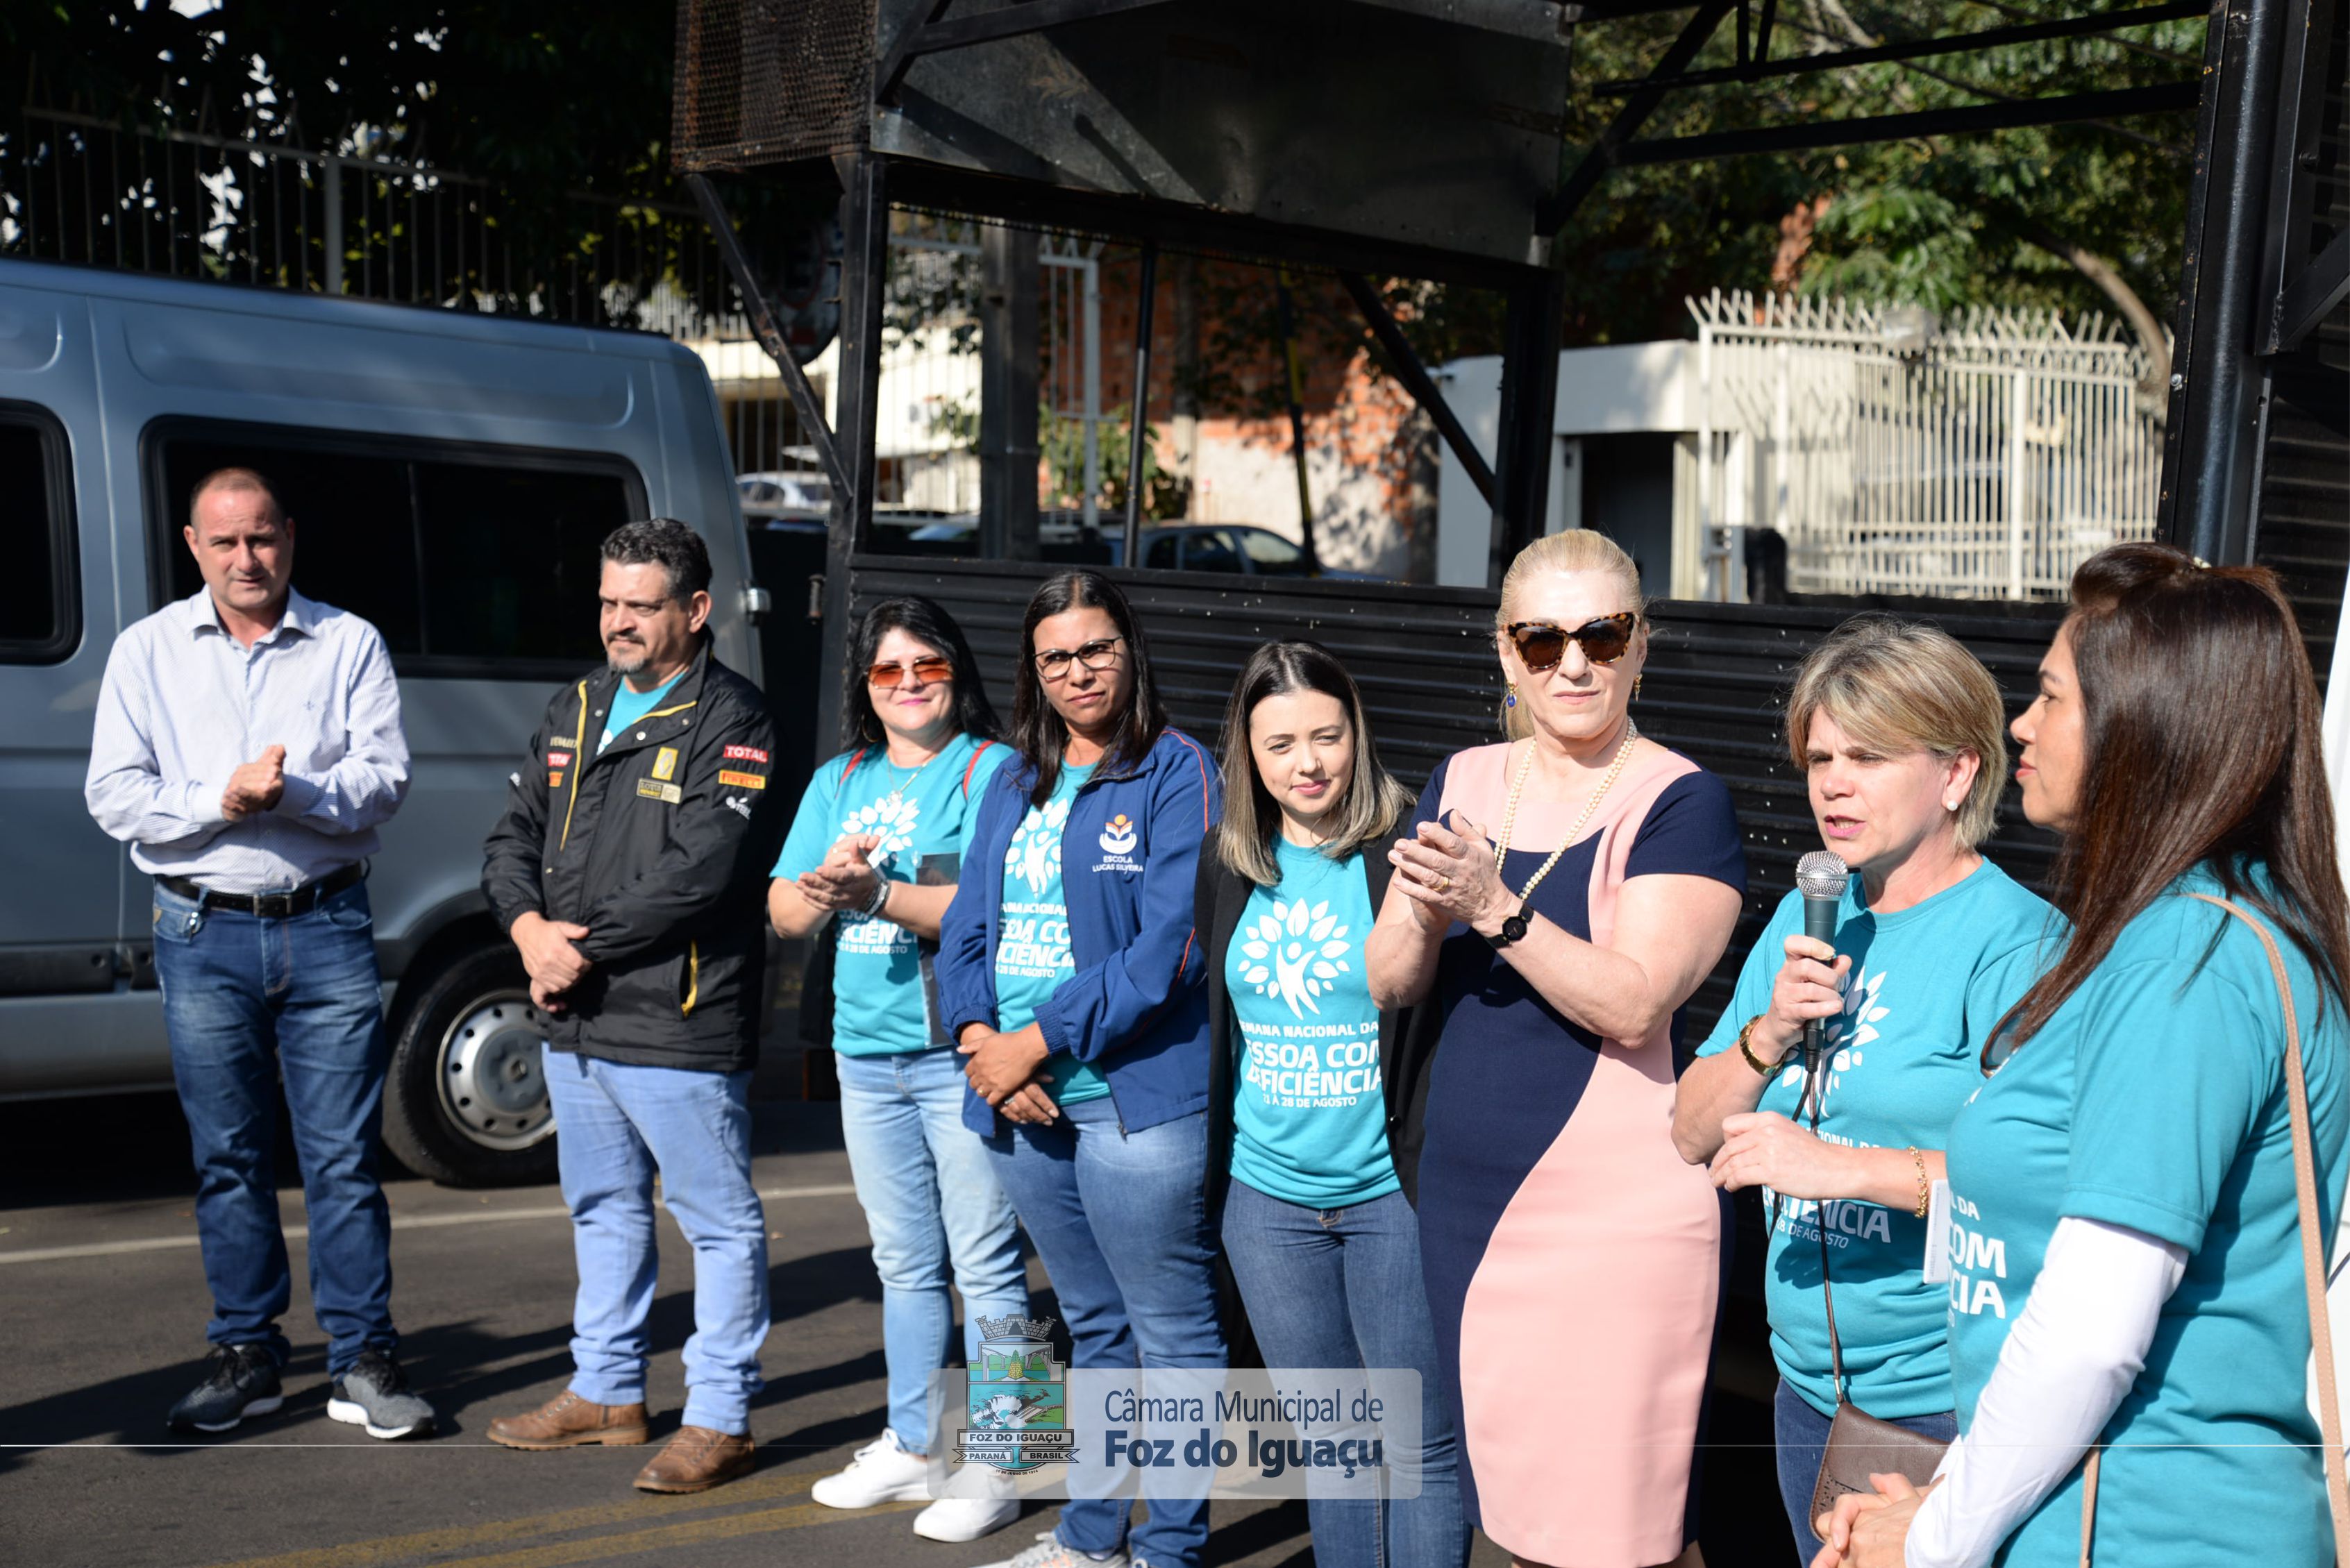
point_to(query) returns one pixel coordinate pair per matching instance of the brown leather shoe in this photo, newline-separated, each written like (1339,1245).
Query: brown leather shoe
(696,1460)
(567,1421)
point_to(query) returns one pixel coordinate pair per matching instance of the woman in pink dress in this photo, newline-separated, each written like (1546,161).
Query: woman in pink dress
(1561,896)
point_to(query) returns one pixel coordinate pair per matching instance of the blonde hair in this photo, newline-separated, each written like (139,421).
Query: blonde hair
(1374,802)
(1575,550)
(1895,686)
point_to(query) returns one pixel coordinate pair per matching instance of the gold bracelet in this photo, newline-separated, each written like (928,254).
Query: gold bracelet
(1924,1187)
(1762,1069)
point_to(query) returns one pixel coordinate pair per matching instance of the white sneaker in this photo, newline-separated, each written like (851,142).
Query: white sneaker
(879,1473)
(959,1518)
(1048,1552)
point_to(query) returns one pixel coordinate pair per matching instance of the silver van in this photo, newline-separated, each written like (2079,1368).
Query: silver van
(451,475)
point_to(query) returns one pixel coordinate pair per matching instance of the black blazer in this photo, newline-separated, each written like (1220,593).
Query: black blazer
(1407,1037)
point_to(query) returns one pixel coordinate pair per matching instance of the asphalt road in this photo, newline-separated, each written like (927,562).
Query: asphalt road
(102,1307)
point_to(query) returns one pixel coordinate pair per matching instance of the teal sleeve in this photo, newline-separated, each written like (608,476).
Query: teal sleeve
(815,828)
(2167,1086)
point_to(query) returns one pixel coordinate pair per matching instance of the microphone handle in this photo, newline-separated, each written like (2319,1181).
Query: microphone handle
(1820,925)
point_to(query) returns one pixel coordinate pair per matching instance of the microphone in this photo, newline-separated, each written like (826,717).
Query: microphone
(1821,875)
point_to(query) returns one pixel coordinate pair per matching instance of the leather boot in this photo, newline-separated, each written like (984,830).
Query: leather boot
(696,1460)
(567,1421)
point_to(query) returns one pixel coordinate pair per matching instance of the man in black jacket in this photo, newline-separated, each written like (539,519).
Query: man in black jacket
(630,870)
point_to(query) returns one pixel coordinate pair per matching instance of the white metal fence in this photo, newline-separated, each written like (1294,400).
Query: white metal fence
(1985,459)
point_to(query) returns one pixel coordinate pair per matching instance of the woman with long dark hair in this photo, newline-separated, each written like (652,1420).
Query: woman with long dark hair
(1306,1083)
(2128,1305)
(877,850)
(1069,970)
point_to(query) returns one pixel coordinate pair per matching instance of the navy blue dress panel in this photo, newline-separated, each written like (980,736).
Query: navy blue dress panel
(1510,1067)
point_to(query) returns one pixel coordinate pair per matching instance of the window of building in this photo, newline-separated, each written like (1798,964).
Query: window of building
(462,555)
(40,607)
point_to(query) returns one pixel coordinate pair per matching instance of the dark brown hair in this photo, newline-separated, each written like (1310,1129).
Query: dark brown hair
(2201,730)
(1039,733)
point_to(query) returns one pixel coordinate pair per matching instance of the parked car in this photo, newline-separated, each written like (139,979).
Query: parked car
(785,497)
(452,476)
(1178,546)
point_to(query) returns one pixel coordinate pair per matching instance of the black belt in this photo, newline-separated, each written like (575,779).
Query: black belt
(270,906)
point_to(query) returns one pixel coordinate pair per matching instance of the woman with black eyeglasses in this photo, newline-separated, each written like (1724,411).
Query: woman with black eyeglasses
(877,850)
(1558,899)
(1070,972)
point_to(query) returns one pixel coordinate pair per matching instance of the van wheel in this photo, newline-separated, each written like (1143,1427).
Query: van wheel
(465,1101)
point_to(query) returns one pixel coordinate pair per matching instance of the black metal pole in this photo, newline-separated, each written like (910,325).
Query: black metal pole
(1527,445)
(1295,369)
(765,328)
(2210,447)
(1139,410)
(1406,365)
(864,273)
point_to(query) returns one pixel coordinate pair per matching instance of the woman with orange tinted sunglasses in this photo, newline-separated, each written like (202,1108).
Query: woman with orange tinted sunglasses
(877,850)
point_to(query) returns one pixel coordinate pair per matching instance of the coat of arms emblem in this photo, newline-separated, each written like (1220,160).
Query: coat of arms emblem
(1016,1400)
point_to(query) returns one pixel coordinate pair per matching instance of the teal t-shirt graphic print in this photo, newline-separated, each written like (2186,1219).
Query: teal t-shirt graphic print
(924,816)
(1309,1119)
(2154,1098)
(1032,957)
(1927,986)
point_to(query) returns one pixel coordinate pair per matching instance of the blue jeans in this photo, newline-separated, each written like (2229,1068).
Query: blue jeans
(618,1123)
(246,999)
(932,1204)
(1120,1222)
(1802,1434)
(1341,1287)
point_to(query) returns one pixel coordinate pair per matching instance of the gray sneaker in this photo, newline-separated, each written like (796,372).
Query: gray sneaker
(240,1380)
(374,1394)
(1048,1552)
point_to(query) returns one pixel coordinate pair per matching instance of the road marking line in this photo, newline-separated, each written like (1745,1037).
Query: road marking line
(693,1533)
(393,1549)
(413,1222)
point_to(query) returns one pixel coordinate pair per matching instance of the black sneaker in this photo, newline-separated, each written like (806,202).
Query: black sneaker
(374,1394)
(240,1380)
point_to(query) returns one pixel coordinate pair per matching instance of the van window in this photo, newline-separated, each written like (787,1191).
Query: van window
(40,605)
(465,557)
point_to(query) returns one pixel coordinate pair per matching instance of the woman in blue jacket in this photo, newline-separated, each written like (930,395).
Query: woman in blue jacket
(1069,974)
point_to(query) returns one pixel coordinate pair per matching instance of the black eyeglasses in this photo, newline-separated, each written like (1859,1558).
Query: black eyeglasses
(1101,653)
(1605,640)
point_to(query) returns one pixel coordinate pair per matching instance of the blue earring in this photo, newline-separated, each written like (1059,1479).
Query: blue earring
(1512,699)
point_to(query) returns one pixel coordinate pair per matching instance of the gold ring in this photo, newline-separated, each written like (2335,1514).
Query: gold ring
(1443,883)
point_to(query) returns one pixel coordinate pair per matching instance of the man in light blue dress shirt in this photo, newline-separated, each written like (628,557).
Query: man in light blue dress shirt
(247,747)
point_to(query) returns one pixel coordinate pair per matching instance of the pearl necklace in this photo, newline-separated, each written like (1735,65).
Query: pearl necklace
(1517,787)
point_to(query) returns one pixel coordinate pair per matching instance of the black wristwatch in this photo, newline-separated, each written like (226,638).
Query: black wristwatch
(1514,929)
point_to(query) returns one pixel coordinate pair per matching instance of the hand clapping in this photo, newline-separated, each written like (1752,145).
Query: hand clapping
(1450,875)
(846,879)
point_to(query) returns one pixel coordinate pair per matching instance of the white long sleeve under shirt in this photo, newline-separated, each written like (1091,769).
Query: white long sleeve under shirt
(2081,1341)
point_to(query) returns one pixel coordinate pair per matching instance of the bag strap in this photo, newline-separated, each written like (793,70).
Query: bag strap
(2313,1259)
(2313,1243)
(972,766)
(1815,1090)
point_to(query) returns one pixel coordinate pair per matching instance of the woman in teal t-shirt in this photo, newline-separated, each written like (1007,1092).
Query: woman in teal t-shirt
(2126,1264)
(1899,732)
(877,849)
(1315,1220)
